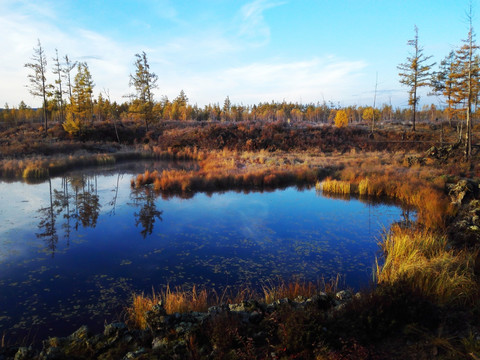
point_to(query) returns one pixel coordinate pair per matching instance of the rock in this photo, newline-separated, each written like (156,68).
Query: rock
(321,300)
(343,295)
(24,353)
(157,318)
(238,307)
(284,301)
(52,353)
(215,310)
(299,299)
(134,354)
(462,191)
(159,343)
(255,317)
(114,329)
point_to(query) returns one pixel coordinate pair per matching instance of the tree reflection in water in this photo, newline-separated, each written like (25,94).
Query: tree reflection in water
(76,204)
(47,228)
(79,202)
(145,199)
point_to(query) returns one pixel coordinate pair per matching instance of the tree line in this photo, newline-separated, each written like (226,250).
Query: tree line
(69,98)
(456,81)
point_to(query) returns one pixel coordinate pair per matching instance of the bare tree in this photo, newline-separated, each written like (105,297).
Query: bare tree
(69,66)
(57,70)
(38,82)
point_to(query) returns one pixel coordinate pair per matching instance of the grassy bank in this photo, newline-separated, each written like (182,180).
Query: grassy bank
(421,278)
(425,262)
(181,300)
(39,168)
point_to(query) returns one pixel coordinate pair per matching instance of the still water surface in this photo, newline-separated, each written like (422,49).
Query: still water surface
(73,249)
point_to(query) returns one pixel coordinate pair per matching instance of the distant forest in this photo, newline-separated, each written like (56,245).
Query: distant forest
(68,96)
(181,110)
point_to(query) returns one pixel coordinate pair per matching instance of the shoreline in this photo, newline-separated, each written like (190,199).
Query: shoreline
(411,278)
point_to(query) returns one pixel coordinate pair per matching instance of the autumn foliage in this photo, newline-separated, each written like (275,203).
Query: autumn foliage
(341,119)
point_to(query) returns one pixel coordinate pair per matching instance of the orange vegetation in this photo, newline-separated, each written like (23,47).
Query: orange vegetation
(225,170)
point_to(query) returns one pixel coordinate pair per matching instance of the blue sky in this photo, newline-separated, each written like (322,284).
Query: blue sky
(253,51)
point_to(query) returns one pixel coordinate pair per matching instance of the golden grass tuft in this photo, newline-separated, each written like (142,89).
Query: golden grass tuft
(335,186)
(292,289)
(140,305)
(175,300)
(181,301)
(425,262)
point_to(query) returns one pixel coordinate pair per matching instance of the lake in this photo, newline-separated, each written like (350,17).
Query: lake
(75,248)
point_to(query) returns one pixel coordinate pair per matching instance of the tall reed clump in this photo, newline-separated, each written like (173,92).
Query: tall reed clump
(175,300)
(292,289)
(179,300)
(334,186)
(424,261)
(140,305)
(432,204)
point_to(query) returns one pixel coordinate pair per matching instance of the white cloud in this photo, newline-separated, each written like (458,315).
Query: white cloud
(304,81)
(109,61)
(253,27)
(208,63)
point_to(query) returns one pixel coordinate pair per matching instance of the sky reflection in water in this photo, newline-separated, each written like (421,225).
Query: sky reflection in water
(75,257)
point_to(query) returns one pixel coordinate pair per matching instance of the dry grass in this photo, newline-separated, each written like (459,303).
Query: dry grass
(335,186)
(177,300)
(40,168)
(409,186)
(140,305)
(223,170)
(282,289)
(424,261)
(181,300)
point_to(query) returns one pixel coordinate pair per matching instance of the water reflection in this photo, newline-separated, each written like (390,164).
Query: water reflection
(47,228)
(71,250)
(148,213)
(76,204)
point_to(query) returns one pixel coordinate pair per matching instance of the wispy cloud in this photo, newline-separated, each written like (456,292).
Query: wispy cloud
(108,59)
(277,80)
(253,26)
(209,63)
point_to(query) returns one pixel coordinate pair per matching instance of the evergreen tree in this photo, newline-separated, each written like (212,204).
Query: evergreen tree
(466,79)
(443,82)
(81,103)
(414,73)
(144,81)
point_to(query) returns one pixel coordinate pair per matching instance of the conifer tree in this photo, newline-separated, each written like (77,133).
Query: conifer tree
(81,103)
(144,81)
(443,82)
(465,81)
(415,73)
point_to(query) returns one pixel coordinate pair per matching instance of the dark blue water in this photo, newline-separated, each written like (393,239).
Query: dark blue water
(73,249)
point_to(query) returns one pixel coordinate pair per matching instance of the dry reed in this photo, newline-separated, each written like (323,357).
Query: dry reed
(424,260)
